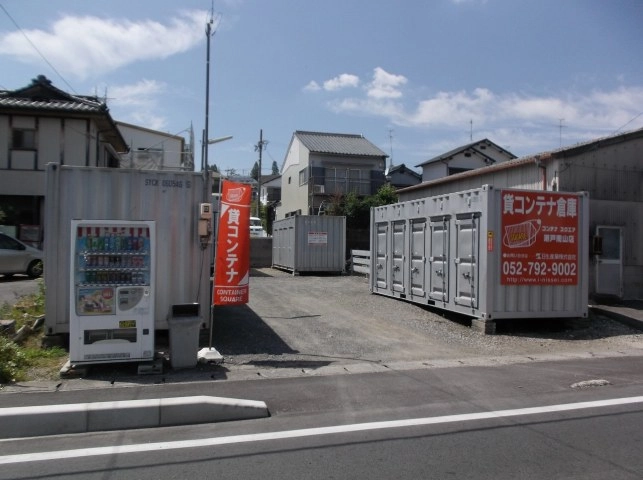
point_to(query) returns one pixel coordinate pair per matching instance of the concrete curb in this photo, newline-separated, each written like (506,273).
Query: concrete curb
(627,316)
(123,415)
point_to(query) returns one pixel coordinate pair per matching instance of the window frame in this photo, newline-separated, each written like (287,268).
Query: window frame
(21,141)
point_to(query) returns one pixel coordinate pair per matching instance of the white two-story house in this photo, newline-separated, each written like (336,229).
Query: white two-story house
(154,150)
(319,166)
(467,157)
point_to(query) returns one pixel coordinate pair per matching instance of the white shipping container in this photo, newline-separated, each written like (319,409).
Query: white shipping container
(309,243)
(487,253)
(170,199)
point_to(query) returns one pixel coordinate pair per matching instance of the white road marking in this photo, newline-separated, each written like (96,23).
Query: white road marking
(308,432)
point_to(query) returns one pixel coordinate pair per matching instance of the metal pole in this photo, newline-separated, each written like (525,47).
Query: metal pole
(259,174)
(204,166)
(208,29)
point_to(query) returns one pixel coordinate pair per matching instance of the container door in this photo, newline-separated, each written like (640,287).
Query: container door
(381,256)
(466,260)
(439,259)
(609,262)
(398,266)
(418,256)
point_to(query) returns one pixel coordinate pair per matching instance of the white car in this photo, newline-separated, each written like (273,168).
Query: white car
(256,228)
(17,257)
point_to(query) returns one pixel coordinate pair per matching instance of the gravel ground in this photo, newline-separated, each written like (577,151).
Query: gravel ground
(330,325)
(312,321)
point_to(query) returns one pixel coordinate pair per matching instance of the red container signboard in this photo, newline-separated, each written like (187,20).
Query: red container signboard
(539,238)
(232,265)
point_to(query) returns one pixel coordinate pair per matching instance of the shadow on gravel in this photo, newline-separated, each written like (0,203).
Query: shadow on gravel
(304,364)
(592,328)
(15,278)
(238,330)
(258,273)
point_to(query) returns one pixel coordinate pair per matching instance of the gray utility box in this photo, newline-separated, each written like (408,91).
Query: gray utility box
(185,323)
(487,253)
(308,243)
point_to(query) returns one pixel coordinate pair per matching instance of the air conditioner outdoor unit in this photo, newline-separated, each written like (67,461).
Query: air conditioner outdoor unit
(318,188)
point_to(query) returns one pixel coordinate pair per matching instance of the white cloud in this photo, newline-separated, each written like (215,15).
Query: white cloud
(142,93)
(525,122)
(452,108)
(385,85)
(138,103)
(88,45)
(341,81)
(312,86)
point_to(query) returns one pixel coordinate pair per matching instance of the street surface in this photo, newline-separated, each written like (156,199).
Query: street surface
(11,289)
(462,422)
(364,386)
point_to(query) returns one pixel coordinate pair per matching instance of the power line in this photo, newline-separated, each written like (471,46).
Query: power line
(626,124)
(36,49)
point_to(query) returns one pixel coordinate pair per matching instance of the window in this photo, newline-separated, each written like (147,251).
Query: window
(23,139)
(303,176)
(343,180)
(454,170)
(8,243)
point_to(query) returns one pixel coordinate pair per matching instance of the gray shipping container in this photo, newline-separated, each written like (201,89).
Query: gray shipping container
(171,199)
(304,243)
(487,253)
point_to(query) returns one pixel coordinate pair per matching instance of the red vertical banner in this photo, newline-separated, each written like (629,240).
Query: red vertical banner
(232,263)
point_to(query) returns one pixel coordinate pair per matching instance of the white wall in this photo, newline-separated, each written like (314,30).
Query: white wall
(164,151)
(293,196)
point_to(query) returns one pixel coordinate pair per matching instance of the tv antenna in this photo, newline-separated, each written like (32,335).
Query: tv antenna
(560,130)
(390,139)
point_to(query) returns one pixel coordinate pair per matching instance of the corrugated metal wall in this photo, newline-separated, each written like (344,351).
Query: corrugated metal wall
(171,199)
(526,177)
(309,243)
(446,251)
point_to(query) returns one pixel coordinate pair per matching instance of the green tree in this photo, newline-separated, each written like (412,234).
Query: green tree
(385,196)
(275,168)
(357,209)
(254,173)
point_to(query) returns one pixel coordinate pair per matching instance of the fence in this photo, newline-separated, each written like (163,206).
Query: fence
(361,261)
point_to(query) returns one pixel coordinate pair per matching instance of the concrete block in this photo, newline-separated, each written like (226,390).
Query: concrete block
(488,327)
(205,409)
(7,327)
(42,420)
(123,415)
(35,421)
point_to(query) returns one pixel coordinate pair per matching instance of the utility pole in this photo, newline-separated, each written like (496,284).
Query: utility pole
(259,147)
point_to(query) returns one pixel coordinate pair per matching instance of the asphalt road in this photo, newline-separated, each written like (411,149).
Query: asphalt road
(532,421)
(364,386)
(16,286)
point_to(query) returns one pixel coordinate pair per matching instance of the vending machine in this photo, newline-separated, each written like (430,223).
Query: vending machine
(112,291)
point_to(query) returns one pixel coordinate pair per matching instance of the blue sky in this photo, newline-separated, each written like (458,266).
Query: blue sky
(416,77)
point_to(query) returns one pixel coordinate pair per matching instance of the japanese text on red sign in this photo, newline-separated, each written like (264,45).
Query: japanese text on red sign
(539,238)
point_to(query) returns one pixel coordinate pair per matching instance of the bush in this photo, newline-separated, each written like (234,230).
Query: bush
(12,361)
